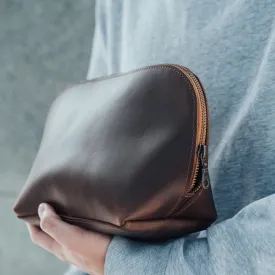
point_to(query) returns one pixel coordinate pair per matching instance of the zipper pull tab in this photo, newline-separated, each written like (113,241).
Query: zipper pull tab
(205,179)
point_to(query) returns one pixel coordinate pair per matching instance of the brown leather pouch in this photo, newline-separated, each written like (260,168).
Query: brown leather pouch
(126,155)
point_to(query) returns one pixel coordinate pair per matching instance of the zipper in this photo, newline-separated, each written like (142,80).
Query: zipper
(203,156)
(201,175)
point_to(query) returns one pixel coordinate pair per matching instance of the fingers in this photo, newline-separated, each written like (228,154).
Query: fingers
(40,238)
(68,236)
(69,243)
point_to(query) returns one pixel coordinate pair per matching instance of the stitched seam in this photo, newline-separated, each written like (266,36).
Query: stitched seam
(178,203)
(91,221)
(191,202)
(76,219)
(161,66)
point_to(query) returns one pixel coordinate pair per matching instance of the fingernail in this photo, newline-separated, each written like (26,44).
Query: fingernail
(41,208)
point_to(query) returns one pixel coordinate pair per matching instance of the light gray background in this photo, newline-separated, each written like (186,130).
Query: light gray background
(44,46)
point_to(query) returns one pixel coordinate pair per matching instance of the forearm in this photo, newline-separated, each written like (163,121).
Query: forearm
(244,244)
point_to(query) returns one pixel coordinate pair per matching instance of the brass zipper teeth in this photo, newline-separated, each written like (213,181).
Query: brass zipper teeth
(192,185)
(203,135)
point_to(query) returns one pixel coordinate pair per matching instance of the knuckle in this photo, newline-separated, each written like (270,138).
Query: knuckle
(47,223)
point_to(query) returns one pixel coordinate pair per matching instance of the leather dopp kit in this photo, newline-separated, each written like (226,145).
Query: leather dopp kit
(126,155)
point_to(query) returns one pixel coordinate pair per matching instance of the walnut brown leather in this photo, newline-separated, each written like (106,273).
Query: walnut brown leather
(126,155)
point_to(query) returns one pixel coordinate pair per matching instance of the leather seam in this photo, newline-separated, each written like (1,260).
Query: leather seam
(91,221)
(180,200)
(160,66)
(190,202)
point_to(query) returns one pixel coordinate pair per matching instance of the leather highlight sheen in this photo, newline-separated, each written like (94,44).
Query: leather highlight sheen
(118,155)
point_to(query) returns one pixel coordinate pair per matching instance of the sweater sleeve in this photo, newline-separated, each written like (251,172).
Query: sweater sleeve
(244,244)
(98,59)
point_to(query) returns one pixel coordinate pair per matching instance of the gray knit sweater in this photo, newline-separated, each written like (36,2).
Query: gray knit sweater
(230,44)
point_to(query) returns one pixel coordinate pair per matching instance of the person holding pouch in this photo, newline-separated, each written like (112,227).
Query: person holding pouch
(230,45)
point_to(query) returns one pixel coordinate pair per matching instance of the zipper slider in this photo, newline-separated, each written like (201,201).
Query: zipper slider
(203,154)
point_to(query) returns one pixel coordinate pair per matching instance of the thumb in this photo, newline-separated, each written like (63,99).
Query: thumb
(68,236)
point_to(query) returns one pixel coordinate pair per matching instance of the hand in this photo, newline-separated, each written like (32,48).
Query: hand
(81,248)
